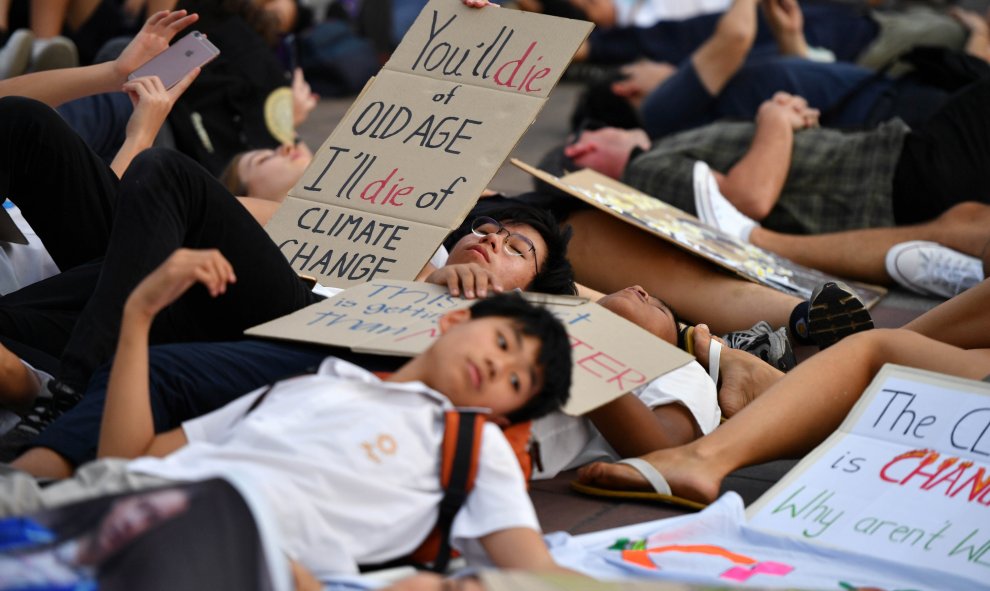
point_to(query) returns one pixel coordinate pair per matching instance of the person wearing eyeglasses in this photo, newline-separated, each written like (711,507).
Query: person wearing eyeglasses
(517,247)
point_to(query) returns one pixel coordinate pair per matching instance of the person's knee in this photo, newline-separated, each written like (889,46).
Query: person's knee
(152,162)
(42,462)
(967,210)
(18,113)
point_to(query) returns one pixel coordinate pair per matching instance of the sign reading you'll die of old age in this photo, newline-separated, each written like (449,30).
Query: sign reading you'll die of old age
(417,147)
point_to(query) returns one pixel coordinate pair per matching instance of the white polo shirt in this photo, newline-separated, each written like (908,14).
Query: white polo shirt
(349,466)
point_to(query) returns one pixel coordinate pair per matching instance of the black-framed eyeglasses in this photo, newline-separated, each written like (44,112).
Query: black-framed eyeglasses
(516,245)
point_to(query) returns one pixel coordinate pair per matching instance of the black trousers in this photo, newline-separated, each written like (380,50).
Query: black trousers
(81,212)
(947,160)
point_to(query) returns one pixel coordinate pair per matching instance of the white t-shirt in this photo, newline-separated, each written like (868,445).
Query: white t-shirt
(567,442)
(23,264)
(645,13)
(349,466)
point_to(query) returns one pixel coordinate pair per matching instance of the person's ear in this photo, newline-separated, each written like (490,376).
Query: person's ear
(453,318)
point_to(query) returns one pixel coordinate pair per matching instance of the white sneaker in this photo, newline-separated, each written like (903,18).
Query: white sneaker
(931,269)
(714,209)
(15,57)
(54,54)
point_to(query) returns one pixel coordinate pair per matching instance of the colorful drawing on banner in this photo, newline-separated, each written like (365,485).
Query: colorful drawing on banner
(426,135)
(688,232)
(915,439)
(611,356)
(641,554)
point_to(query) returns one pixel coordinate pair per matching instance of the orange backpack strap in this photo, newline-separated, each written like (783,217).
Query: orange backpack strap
(458,468)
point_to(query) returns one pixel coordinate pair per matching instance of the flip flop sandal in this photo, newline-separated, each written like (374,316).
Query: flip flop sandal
(661,490)
(685,340)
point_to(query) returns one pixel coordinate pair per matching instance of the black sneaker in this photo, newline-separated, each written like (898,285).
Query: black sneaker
(772,346)
(835,312)
(47,407)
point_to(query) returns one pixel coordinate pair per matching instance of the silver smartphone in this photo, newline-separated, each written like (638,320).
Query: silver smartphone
(174,63)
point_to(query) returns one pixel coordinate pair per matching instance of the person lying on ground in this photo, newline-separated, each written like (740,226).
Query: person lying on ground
(794,177)
(27,263)
(809,403)
(519,247)
(942,257)
(503,354)
(720,80)
(835,30)
(671,410)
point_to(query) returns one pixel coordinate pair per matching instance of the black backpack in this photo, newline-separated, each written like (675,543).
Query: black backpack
(223,112)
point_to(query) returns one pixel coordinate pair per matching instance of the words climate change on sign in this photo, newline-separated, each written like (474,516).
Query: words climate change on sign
(421,142)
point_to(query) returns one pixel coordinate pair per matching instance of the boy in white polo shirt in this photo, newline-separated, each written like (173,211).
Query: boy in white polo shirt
(348,463)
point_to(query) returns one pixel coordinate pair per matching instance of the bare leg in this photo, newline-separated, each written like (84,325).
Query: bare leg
(42,462)
(48,17)
(962,321)
(720,57)
(860,254)
(18,384)
(154,6)
(695,288)
(796,414)
(4,15)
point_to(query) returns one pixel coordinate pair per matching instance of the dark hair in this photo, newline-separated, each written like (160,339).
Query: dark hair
(556,274)
(554,356)
(599,107)
(230,176)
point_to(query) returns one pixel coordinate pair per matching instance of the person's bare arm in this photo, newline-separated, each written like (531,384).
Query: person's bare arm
(978,43)
(962,321)
(787,23)
(128,429)
(520,548)
(721,55)
(633,429)
(152,104)
(754,183)
(55,87)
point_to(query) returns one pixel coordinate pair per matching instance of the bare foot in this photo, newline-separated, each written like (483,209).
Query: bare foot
(742,376)
(685,474)
(18,385)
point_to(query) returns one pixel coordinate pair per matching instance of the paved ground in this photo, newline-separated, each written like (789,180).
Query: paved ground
(557,506)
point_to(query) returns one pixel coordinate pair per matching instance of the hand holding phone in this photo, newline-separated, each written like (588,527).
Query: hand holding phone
(192,51)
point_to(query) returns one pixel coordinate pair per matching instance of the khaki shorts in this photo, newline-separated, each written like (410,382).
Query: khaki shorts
(904,29)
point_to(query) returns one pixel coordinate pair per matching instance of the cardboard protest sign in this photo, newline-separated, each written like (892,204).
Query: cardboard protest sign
(904,478)
(425,137)
(688,232)
(611,355)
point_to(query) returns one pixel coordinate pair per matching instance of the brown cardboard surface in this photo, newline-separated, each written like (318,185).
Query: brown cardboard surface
(417,148)
(343,247)
(611,355)
(515,52)
(688,232)
(424,138)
